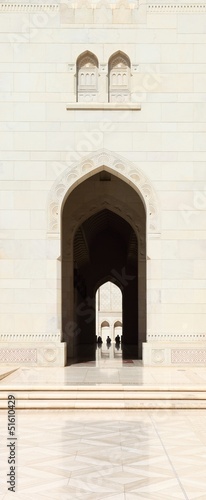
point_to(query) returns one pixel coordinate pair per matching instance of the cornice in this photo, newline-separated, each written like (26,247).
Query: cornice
(152,8)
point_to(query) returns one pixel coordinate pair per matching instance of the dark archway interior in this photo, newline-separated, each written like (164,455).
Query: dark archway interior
(105,246)
(97,248)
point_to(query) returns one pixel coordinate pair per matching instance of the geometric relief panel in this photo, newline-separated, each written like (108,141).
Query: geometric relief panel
(18,355)
(188,356)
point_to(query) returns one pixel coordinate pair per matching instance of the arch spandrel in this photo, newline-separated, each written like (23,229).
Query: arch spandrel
(91,165)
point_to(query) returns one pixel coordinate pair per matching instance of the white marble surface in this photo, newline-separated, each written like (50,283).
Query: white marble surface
(106,372)
(111,455)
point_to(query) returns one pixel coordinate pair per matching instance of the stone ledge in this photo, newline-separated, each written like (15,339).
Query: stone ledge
(109,106)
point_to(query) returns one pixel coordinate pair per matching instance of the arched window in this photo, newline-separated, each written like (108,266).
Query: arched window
(118,329)
(104,323)
(119,78)
(117,324)
(87,77)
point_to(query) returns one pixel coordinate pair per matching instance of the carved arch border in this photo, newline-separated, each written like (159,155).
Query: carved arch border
(90,165)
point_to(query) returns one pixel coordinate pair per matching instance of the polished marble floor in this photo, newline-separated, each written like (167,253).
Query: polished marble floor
(110,372)
(111,455)
(106,454)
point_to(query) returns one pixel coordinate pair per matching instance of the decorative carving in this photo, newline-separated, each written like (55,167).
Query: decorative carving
(50,355)
(188,356)
(158,356)
(183,337)
(175,8)
(28,7)
(18,355)
(29,337)
(92,164)
(123,4)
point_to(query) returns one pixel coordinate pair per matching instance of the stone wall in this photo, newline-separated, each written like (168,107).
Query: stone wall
(159,134)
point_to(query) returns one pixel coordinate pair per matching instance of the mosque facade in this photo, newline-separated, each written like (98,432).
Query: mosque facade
(103,179)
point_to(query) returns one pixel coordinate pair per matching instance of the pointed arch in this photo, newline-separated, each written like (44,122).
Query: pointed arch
(117,324)
(105,323)
(88,166)
(121,58)
(87,77)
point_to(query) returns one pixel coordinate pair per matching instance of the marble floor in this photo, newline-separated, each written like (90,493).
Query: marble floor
(110,372)
(111,455)
(106,454)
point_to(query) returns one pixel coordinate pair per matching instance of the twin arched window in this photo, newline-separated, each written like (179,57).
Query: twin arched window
(119,72)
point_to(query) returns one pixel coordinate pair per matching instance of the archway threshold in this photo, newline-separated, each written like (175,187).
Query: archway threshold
(103,355)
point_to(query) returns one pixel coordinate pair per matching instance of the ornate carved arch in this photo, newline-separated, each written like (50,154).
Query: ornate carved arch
(119,57)
(90,165)
(87,57)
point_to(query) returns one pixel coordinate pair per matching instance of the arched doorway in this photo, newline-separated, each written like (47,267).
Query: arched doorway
(103,238)
(108,311)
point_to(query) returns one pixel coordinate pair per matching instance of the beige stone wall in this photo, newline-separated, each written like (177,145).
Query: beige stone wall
(165,140)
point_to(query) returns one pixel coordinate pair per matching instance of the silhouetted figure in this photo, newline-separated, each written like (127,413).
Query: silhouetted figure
(117,339)
(99,340)
(108,340)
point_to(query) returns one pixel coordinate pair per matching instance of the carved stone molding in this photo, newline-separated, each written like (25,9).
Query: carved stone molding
(28,7)
(91,165)
(29,337)
(50,355)
(168,337)
(170,8)
(188,356)
(18,355)
(33,353)
(158,356)
(103,4)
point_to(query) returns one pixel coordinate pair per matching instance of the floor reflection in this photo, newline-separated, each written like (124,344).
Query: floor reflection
(101,354)
(109,351)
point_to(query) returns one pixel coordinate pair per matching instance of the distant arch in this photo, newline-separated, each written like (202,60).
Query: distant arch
(105,323)
(117,324)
